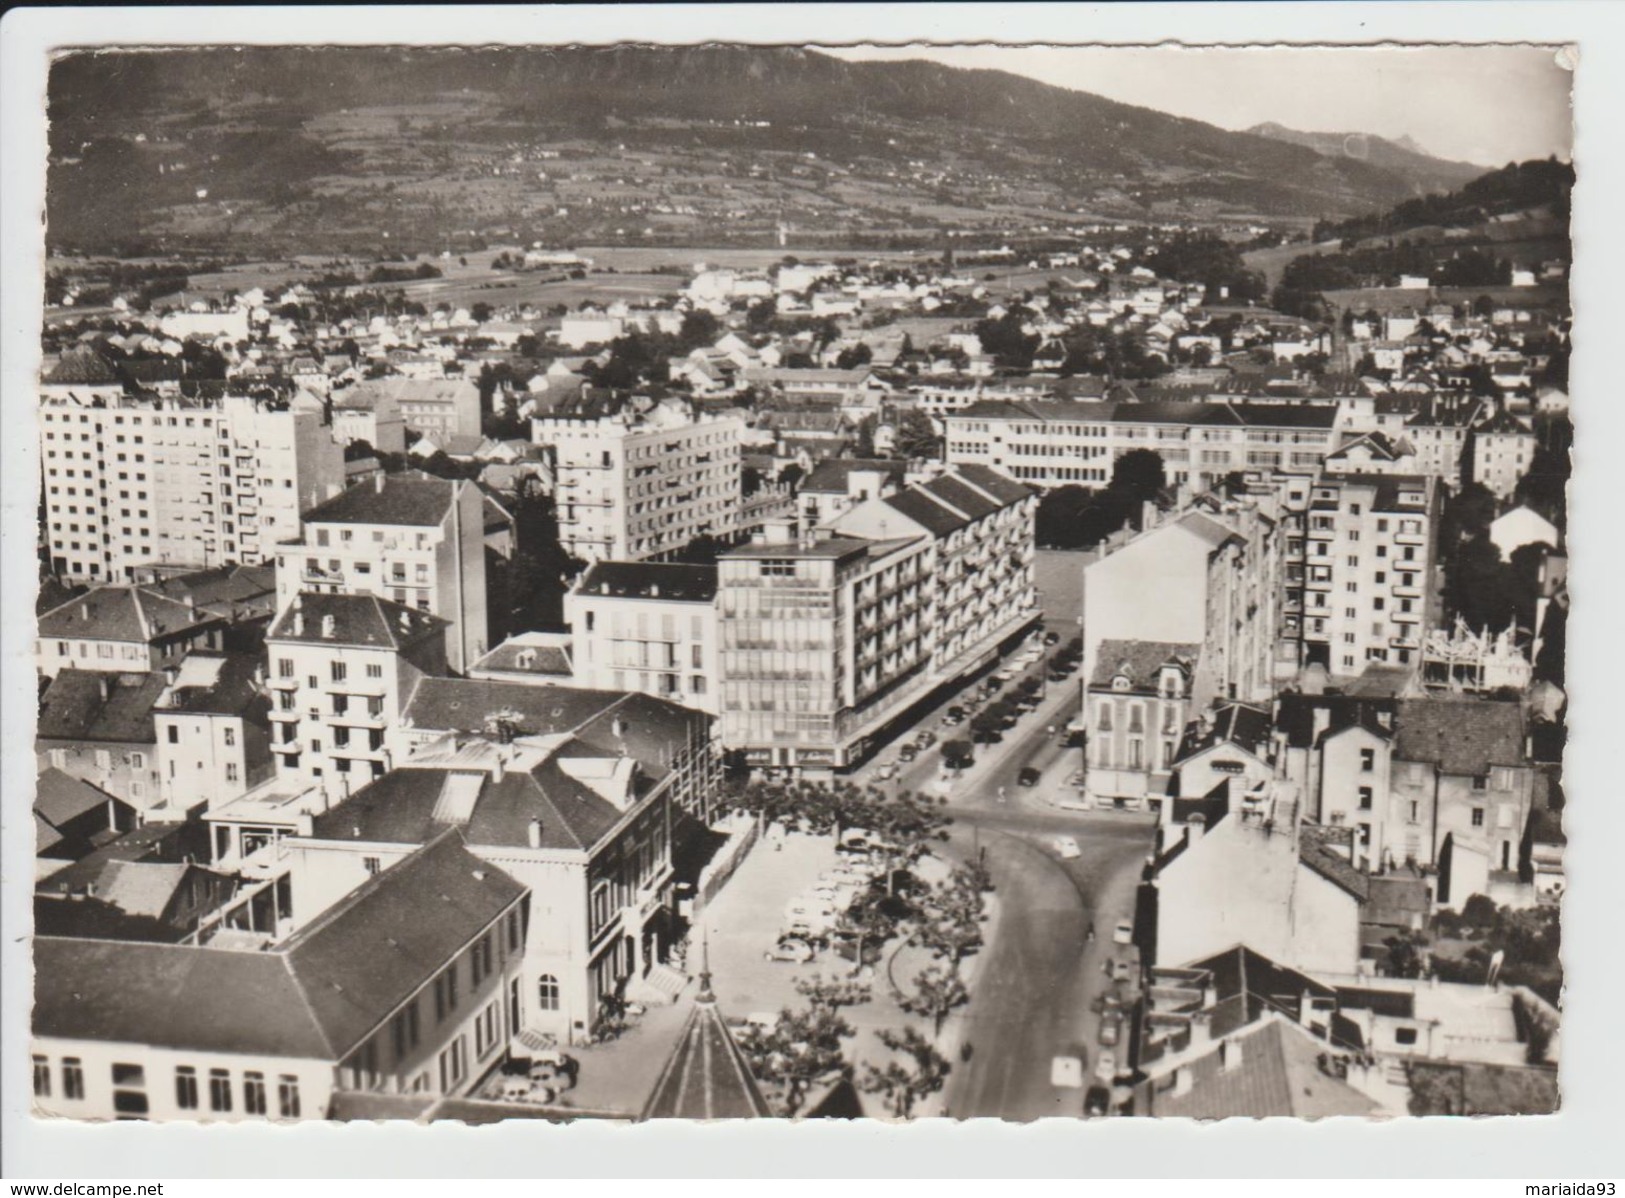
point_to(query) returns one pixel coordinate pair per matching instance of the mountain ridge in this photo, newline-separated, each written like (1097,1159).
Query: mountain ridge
(268,141)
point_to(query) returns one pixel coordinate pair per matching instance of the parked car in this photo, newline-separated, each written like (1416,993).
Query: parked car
(925,739)
(1111,1030)
(1097,1103)
(1120,970)
(1123,933)
(1052,638)
(1028,776)
(791,948)
(1106,1066)
(886,771)
(1066,848)
(908,752)
(952,721)
(846,947)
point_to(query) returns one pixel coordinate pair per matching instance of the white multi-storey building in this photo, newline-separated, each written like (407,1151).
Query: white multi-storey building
(1367,570)
(131,482)
(632,487)
(827,640)
(648,627)
(1053,443)
(340,667)
(411,538)
(1503,451)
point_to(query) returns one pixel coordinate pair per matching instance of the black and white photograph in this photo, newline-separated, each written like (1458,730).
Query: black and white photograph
(814,581)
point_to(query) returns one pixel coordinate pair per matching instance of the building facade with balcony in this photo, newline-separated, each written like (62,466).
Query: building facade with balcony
(131,482)
(827,639)
(1368,593)
(636,486)
(1136,706)
(649,627)
(411,538)
(341,667)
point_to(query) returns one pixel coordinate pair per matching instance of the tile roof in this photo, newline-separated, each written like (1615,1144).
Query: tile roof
(316,995)
(88,705)
(1315,851)
(1140,660)
(1295,714)
(832,474)
(122,613)
(409,498)
(707,1076)
(82,366)
(1239,724)
(368,392)
(548,660)
(650,580)
(141,887)
(400,808)
(359,621)
(1000,486)
(926,511)
(61,798)
(211,683)
(232,592)
(1278,1075)
(1460,736)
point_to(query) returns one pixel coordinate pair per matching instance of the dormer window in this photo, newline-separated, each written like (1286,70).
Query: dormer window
(1171,685)
(1120,682)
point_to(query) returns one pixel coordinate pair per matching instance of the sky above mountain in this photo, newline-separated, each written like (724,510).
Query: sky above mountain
(1483,104)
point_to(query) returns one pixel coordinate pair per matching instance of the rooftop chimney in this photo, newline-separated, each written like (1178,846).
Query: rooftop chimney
(328,627)
(1182,1081)
(1230,1054)
(378,482)
(533,834)
(298,620)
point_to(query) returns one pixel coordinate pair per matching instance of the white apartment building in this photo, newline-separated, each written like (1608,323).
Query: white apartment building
(631,487)
(1503,451)
(648,627)
(411,538)
(1367,570)
(211,731)
(340,668)
(436,407)
(1053,443)
(828,639)
(131,482)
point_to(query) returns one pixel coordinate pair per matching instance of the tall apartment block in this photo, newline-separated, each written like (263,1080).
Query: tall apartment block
(637,486)
(177,483)
(828,639)
(1359,569)
(411,538)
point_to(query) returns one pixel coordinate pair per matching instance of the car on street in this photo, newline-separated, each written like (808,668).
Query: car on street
(1052,638)
(1123,933)
(1097,1103)
(952,721)
(1106,1066)
(908,753)
(1111,1029)
(925,739)
(886,771)
(1028,776)
(1066,848)
(792,949)
(1120,970)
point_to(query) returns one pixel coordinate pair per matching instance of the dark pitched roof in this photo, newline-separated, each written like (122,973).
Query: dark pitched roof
(399,808)
(1278,1075)
(1239,724)
(91,706)
(1295,714)
(832,474)
(366,955)
(364,621)
(925,511)
(650,580)
(706,1076)
(173,996)
(82,366)
(122,613)
(1460,736)
(231,686)
(410,498)
(1315,851)
(316,995)
(1001,487)
(470,704)
(60,798)
(543,660)
(1142,661)
(232,592)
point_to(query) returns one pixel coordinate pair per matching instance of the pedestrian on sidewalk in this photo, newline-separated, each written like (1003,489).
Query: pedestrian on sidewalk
(1091,932)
